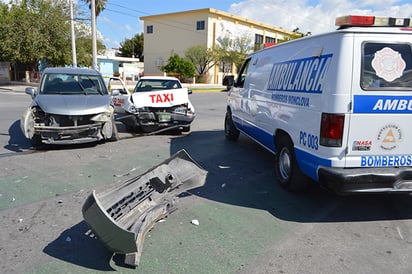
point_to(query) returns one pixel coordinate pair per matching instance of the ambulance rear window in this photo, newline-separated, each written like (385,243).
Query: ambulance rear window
(386,66)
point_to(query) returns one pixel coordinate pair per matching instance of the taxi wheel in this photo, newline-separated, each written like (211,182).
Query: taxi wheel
(287,170)
(231,132)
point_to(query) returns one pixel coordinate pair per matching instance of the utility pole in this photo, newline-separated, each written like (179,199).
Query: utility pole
(94,36)
(74,59)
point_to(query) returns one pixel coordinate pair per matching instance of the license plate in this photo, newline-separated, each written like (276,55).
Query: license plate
(164,117)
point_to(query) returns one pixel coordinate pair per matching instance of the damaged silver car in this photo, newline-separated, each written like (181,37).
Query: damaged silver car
(70,106)
(158,103)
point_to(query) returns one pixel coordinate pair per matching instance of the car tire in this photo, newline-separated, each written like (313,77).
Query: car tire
(115,132)
(185,129)
(231,132)
(36,140)
(288,173)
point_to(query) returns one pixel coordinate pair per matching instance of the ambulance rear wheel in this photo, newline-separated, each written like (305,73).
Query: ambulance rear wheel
(231,132)
(287,170)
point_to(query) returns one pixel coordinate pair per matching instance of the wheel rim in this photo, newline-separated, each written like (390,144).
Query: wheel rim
(284,164)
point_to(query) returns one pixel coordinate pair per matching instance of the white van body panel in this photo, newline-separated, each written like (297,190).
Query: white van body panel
(288,87)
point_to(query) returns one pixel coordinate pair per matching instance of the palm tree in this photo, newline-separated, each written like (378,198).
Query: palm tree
(100,5)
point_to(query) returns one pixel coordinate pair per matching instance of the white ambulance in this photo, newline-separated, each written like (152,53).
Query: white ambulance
(335,108)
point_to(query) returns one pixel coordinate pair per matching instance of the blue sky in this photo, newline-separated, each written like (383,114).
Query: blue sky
(120,20)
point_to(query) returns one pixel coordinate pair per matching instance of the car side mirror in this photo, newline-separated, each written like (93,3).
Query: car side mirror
(189,91)
(115,92)
(30,91)
(228,80)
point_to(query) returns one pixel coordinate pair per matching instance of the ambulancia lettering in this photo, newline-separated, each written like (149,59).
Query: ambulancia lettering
(393,104)
(161,98)
(301,75)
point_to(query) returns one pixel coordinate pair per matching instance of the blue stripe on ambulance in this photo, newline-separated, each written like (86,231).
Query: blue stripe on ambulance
(382,104)
(308,163)
(262,137)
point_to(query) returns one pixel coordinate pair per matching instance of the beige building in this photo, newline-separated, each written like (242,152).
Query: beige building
(174,33)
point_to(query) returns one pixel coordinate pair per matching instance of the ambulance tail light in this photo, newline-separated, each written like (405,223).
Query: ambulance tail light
(372,21)
(331,130)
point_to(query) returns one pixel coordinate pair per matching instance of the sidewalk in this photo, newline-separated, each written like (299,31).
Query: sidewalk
(15,86)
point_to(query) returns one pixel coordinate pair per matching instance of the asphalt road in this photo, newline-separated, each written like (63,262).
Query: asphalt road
(247,223)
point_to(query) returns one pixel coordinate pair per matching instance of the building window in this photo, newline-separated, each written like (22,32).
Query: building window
(258,42)
(149,29)
(270,40)
(225,67)
(258,39)
(200,25)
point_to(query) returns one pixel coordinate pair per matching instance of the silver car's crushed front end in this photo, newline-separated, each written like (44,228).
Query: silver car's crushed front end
(70,129)
(121,217)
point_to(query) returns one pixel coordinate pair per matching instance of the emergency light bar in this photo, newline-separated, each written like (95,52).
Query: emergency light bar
(372,21)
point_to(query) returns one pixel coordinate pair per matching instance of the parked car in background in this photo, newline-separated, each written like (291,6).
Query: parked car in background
(70,106)
(158,103)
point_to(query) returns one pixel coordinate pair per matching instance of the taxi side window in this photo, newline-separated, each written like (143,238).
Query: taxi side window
(386,66)
(240,81)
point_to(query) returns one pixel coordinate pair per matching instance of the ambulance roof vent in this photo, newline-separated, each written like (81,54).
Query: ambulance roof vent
(372,21)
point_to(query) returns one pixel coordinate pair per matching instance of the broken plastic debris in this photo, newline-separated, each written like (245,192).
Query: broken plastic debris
(122,216)
(223,167)
(195,222)
(126,174)
(68,239)
(223,185)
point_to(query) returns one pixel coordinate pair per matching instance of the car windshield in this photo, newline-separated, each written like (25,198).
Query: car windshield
(156,84)
(72,84)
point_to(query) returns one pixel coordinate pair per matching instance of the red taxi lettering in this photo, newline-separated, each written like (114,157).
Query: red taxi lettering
(157,98)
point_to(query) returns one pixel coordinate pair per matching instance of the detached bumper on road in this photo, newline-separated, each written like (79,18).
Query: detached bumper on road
(120,217)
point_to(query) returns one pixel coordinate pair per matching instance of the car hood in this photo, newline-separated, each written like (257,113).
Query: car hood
(73,104)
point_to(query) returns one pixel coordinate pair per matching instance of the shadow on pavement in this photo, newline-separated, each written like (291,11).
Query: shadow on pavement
(17,142)
(242,173)
(76,247)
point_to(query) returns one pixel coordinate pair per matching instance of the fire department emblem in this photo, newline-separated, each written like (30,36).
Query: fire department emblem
(388,64)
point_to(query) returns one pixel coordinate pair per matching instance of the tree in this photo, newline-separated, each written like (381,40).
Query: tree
(33,30)
(84,49)
(234,50)
(100,5)
(132,47)
(40,30)
(180,66)
(202,57)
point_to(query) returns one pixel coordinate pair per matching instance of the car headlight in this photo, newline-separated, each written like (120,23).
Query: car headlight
(104,116)
(132,109)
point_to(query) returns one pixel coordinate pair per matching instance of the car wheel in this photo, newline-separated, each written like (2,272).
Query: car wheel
(115,132)
(289,176)
(185,129)
(36,140)
(231,132)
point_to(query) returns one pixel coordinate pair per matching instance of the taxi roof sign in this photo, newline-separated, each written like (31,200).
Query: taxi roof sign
(372,21)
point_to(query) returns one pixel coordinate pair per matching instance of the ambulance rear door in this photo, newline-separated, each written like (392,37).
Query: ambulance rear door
(380,124)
